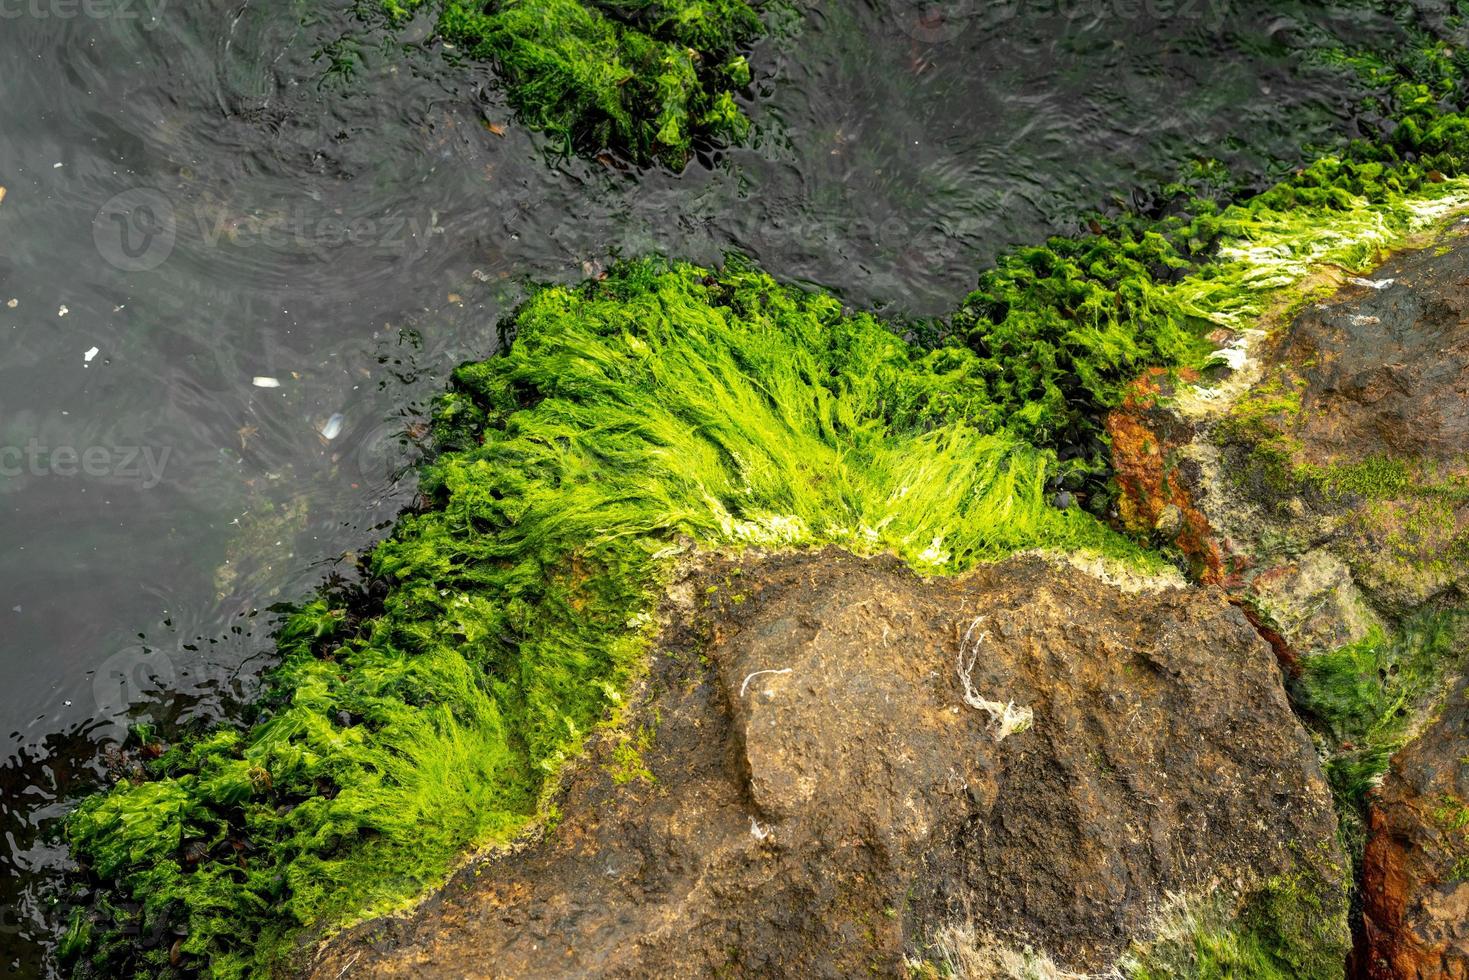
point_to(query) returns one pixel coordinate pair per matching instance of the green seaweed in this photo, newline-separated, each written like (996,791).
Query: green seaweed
(1294,928)
(641,77)
(1368,696)
(665,407)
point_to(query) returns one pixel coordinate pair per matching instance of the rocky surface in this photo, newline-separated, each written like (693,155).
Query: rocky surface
(1415,878)
(801,786)
(1331,494)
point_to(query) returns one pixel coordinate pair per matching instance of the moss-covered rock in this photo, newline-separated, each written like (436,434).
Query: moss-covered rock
(664,406)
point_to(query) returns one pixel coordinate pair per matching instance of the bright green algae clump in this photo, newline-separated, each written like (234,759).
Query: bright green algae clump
(643,77)
(661,406)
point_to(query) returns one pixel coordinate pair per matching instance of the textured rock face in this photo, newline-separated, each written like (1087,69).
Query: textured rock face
(1386,369)
(1415,879)
(1335,484)
(802,788)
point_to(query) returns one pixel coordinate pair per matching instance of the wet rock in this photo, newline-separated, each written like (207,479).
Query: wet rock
(1156,493)
(1415,879)
(825,774)
(1332,492)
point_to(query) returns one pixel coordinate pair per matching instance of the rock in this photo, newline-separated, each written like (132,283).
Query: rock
(1147,435)
(1415,877)
(1332,491)
(803,788)
(1315,601)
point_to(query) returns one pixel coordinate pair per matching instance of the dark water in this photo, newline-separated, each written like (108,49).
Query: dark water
(190,192)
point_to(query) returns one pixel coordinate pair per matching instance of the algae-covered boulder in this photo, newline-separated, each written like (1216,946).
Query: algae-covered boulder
(838,767)
(662,408)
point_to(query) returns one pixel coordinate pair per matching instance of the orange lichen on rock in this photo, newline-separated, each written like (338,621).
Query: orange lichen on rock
(1153,496)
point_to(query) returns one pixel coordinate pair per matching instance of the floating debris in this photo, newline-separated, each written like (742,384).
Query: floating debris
(2,195)
(90,353)
(333,426)
(264,382)
(63,311)
(12,303)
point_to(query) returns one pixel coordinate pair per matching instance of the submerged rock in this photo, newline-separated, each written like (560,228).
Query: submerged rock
(1415,877)
(805,786)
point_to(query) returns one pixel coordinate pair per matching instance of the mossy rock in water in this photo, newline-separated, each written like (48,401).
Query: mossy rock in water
(642,77)
(664,406)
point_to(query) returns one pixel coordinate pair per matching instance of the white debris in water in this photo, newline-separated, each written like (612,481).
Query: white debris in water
(332,427)
(1371,283)
(12,303)
(57,166)
(88,354)
(264,382)
(63,311)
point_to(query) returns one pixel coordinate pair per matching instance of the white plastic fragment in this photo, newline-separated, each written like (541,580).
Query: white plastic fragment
(63,311)
(88,354)
(264,382)
(1371,283)
(758,830)
(333,426)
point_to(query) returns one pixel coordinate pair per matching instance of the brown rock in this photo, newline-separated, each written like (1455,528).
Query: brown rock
(1386,371)
(809,794)
(1415,877)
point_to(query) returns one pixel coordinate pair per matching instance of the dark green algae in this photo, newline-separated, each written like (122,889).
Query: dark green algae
(664,408)
(641,77)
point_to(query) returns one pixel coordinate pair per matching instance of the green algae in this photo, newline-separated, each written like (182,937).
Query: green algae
(1294,928)
(642,77)
(1368,697)
(664,408)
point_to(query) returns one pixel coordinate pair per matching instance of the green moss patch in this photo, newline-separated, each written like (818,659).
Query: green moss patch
(1293,929)
(642,77)
(1367,698)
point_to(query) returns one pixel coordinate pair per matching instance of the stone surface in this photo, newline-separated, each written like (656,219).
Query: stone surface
(801,789)
(1415,879)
